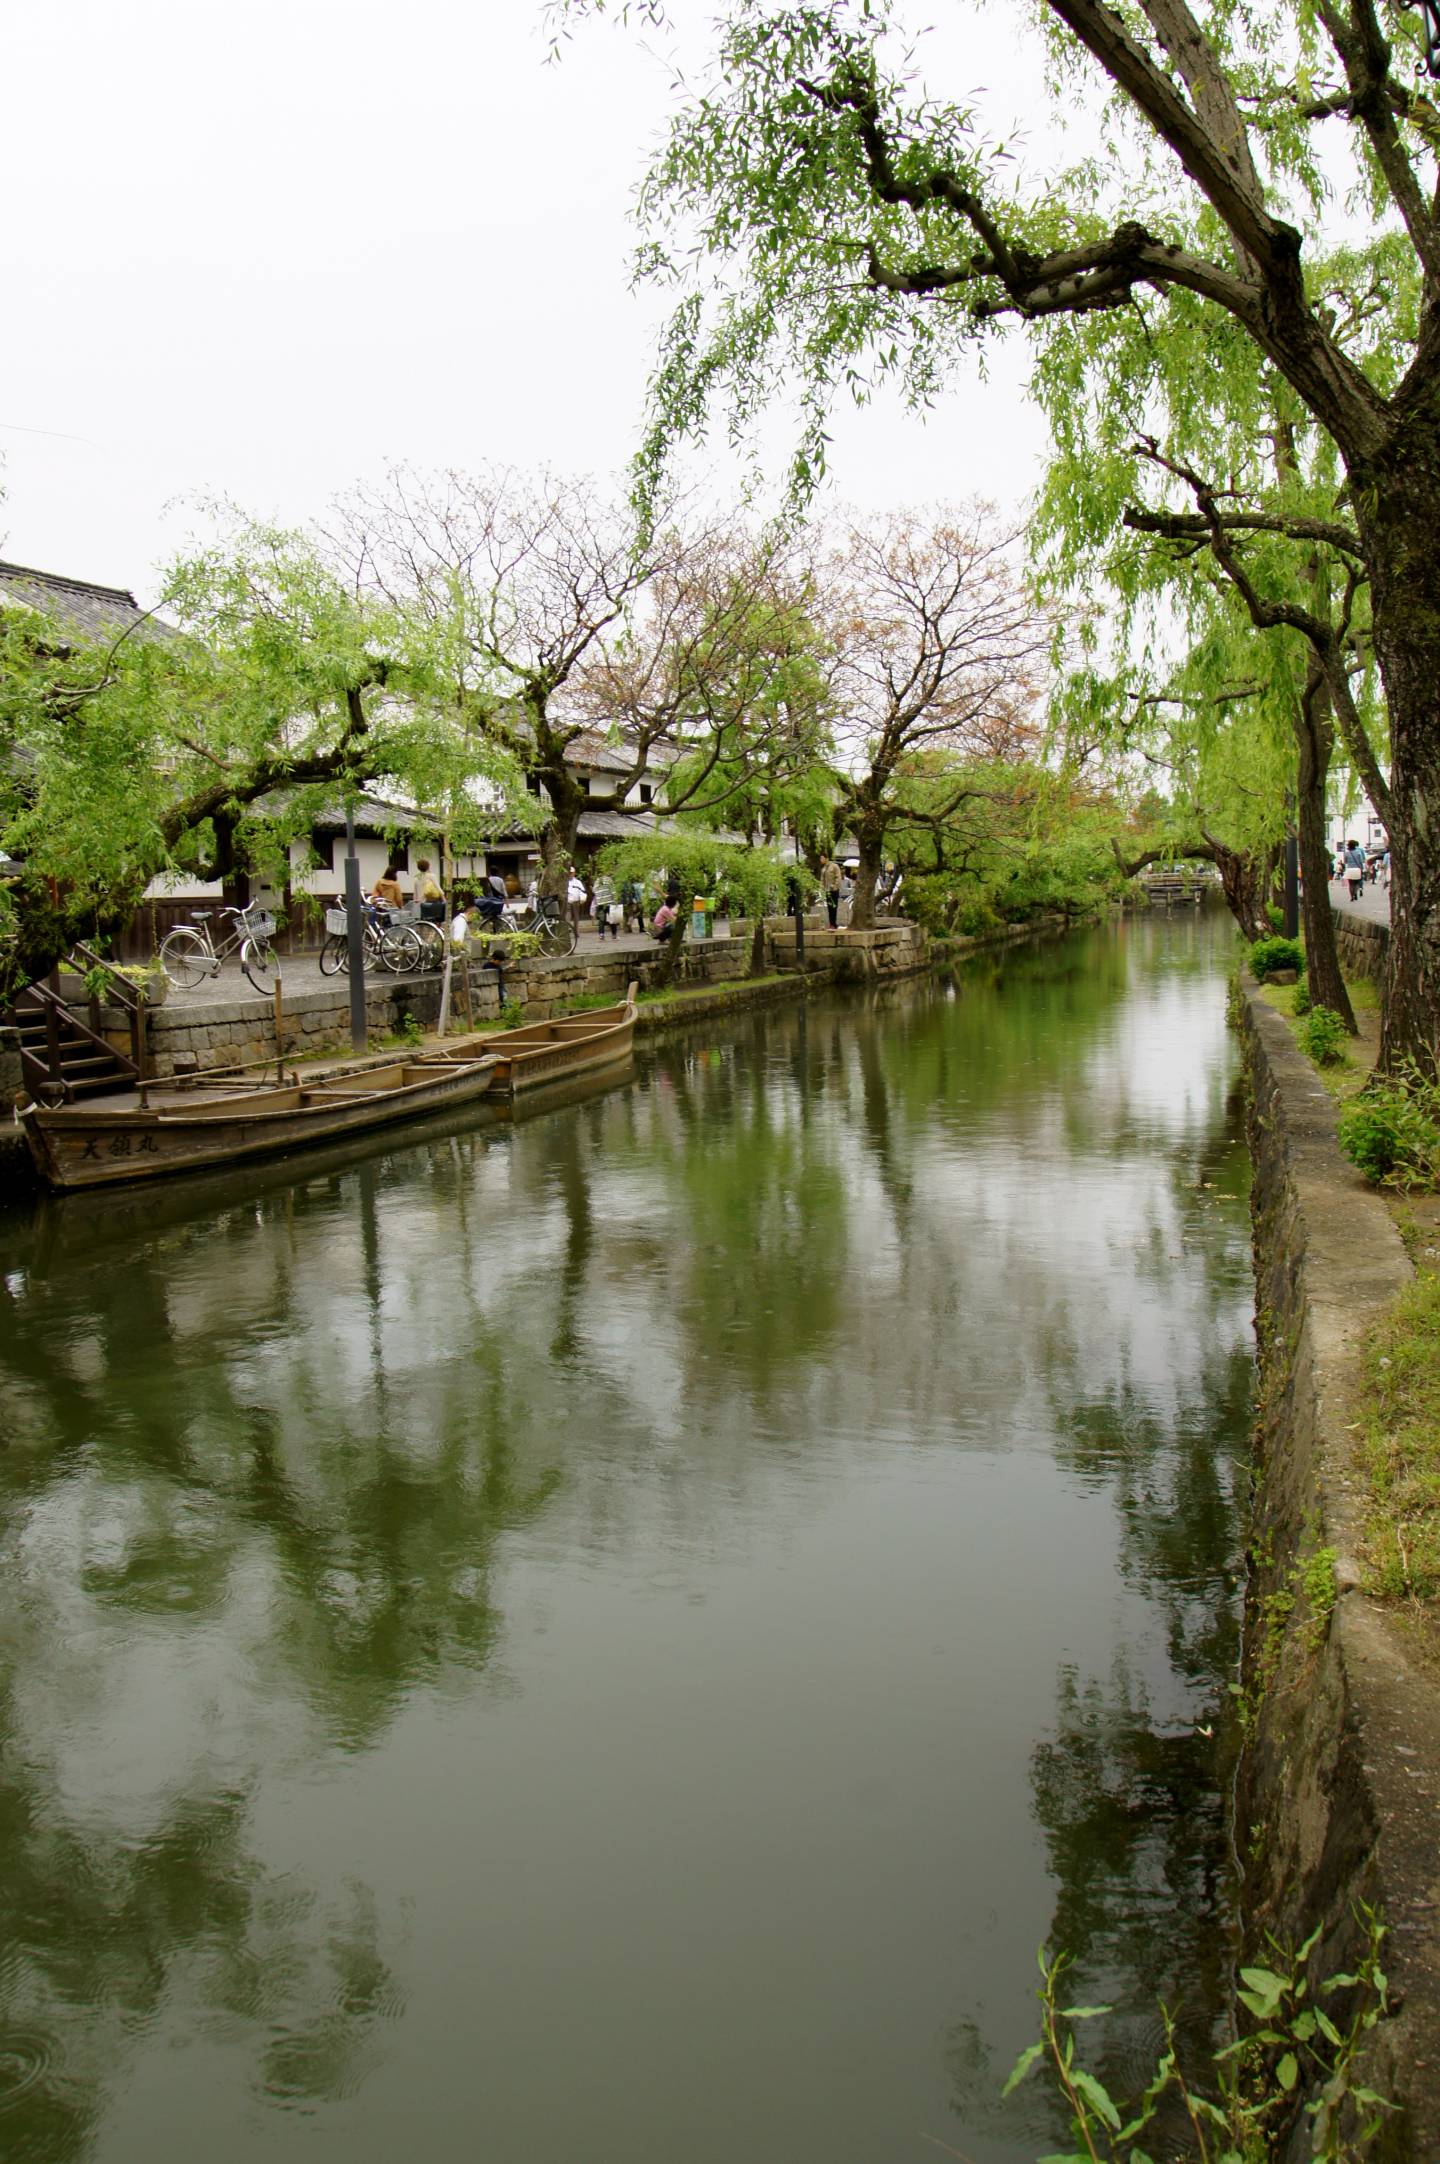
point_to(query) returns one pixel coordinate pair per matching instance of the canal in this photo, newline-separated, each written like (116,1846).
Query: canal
(618,1638)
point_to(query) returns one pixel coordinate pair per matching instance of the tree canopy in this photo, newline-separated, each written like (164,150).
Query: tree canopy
(1266,175)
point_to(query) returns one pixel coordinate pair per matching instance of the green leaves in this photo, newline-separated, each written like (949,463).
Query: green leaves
(1264,1993)
(1028,2059)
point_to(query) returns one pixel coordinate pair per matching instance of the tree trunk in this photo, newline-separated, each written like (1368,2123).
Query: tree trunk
(557,840)
(1315,736)
(757,947)
(1245,881)
(1397,504)
(862,905)
(670,959)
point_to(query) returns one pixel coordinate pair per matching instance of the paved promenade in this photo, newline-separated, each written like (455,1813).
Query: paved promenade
(301,972)
(1374,902)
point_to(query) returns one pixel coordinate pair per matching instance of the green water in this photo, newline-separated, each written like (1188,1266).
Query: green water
(616,1639)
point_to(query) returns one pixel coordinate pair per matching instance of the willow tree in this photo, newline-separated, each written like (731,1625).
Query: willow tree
(832,219)
(204,741)
(1187,478)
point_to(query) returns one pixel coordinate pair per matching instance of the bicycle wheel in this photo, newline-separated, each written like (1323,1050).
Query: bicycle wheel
(399,948)
(257,959)
(557,935)
(186,958)
(433,944)
(335,954)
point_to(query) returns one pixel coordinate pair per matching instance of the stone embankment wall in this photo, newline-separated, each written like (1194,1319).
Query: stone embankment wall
(1338,1800)
(1361,945)
(13,1152)
(186,1035)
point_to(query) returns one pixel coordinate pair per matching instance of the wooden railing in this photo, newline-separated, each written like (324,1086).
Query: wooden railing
(43,1065)
(121,993)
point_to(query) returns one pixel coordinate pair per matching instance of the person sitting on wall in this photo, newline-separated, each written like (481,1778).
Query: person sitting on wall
(491,904)
(429,893)
(386,895)
(666,918)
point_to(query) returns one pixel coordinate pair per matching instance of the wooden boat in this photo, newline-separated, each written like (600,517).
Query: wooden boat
(79,1146)
(544,1052)
(91,1145)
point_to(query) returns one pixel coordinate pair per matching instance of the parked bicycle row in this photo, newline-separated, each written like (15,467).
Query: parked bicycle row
(399,938)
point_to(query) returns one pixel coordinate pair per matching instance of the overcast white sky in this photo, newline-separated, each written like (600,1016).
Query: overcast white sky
(264,251)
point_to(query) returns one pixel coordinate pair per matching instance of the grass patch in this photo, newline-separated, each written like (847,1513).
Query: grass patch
(584,1002)
(703,991)
(1346,1073)
(1401,1446)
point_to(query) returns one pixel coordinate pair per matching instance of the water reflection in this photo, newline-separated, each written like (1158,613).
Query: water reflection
(666,1605)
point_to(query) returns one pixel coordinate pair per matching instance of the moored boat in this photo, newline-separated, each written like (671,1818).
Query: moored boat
(93,1145)
(180,1128)
(575,1044)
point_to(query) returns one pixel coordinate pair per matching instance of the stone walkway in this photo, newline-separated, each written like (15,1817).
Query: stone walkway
(1374,902)
(301,972)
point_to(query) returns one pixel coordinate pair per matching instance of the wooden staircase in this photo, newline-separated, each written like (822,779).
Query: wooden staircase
(63,1054)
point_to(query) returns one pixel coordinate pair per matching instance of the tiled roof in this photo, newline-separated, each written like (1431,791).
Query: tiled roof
(614,826)
(95,611)
(591,749)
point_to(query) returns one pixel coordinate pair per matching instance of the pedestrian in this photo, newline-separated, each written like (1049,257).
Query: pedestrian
(847,893)
(460,924)
(607,909)
(830,878)
(428,893)
(666,917)
(1354,869)
(575,898)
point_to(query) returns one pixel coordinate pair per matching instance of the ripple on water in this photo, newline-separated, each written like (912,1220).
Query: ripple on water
(25,2060)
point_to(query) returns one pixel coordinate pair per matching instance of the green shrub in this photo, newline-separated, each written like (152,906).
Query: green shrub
(1392,1131)
(1269,955)
(1300,998)
(1322,1035)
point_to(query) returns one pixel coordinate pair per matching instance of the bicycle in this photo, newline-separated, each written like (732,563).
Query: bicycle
(546,919)
(395,947)
(188,954)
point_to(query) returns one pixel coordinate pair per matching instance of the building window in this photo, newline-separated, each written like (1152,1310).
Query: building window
(647,794)
(323,844)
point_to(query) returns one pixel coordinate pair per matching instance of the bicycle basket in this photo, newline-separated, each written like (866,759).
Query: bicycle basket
(260,925)
(407,913)
(336,920)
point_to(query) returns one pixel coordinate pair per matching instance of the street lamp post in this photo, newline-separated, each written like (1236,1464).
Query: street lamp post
(355,937)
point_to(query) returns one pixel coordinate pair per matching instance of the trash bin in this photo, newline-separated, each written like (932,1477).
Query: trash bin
(702,917)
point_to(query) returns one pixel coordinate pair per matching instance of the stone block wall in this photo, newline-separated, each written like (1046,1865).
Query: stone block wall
(1361,944)
(188,1035)
(1339,1780)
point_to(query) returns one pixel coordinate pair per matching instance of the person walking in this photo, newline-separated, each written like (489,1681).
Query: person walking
(830,877)
(1354,869)
(575,898)
(607,909)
